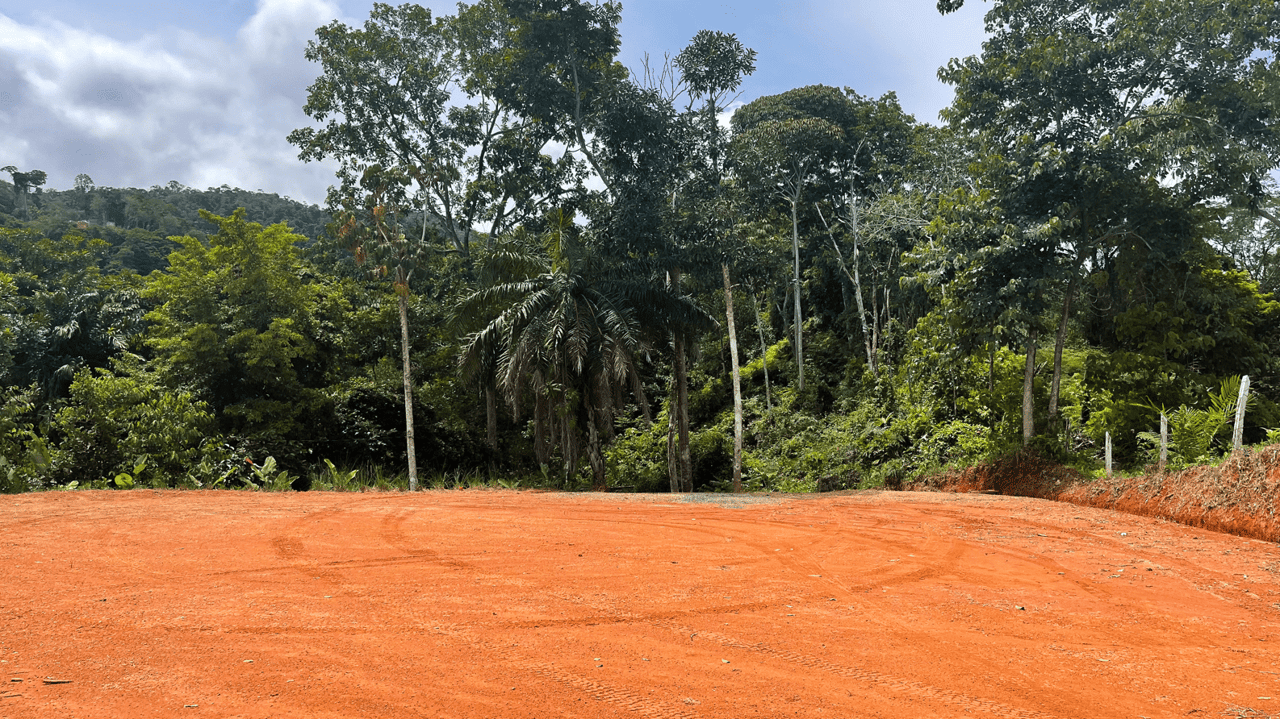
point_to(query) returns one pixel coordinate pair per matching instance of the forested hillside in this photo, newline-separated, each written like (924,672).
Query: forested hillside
(582,275)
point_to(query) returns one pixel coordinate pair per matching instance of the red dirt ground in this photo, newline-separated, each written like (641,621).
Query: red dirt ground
(521,604)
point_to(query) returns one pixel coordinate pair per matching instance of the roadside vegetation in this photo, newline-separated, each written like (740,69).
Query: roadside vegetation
(826,294)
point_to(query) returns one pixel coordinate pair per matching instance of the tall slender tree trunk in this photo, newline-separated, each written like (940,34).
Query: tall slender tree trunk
(991,381)
(491,418)
(1057,349)
(737,380)
(764,351)
(684,458)
(679,460)
(595,457)
(867,339)
(1028,387)
(402,291)
(673,454)
(799,323)
(991,363)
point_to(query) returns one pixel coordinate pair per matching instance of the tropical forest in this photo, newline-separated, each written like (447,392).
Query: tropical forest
(537,267)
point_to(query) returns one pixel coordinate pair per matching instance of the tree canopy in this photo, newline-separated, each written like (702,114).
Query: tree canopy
(573,246)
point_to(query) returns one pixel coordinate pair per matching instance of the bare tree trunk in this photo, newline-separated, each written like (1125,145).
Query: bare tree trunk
(491,418)
(867,340)
(679,461)
(1057,349)
(764,351)
(991,381)
(684,459)
(857,284)
(673,456)
(542,430)
(991,363)
(402,291)
(595,457)
(881,326)
(737,381)
(795,244)
(1028,387)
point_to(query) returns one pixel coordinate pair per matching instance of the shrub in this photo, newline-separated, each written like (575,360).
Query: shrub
(111,423)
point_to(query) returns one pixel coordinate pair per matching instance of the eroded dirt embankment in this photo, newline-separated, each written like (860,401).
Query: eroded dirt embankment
(1239,497)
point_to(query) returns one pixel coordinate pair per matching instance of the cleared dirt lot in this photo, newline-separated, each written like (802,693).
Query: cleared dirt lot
(505,604)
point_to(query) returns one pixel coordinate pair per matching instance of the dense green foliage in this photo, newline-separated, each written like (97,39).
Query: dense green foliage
(1090,242)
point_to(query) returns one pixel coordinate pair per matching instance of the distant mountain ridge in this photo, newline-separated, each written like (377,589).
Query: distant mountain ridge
(136,222)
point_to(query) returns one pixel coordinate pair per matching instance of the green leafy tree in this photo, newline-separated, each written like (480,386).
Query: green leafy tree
(384,98)
(123,427)
(240,323)
(557,68)
(1112,124)
(23,184)
(838,149)
(61,313)
(712,67)
(875,210)
(780,150)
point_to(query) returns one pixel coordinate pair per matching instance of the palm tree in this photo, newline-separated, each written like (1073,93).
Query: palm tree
(558,326)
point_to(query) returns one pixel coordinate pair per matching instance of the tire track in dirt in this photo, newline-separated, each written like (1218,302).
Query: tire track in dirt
(969,523)
(799,565)
(606,693)
(90,514)
(392,532)
(289,547)
(820,535)
(909,687)
(599,691)
(803,566)
(717,527)
(1115,551)
(900,685)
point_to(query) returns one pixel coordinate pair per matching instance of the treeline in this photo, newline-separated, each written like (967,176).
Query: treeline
(826,294)
(135,222)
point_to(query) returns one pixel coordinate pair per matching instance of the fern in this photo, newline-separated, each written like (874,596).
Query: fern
(1192,432)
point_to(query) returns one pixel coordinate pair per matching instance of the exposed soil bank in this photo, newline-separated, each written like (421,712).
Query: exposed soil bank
(1240,496)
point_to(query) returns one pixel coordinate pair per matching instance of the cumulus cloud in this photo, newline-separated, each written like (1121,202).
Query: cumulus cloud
(214,107)
(179,106)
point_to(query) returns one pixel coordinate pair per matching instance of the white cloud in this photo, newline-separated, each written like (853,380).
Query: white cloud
(199,110)
(212,104)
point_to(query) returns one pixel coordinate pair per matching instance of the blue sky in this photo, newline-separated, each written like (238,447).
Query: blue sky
(140,93)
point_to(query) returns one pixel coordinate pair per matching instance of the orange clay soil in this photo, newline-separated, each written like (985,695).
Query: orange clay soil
(1239,496)
(521,604)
